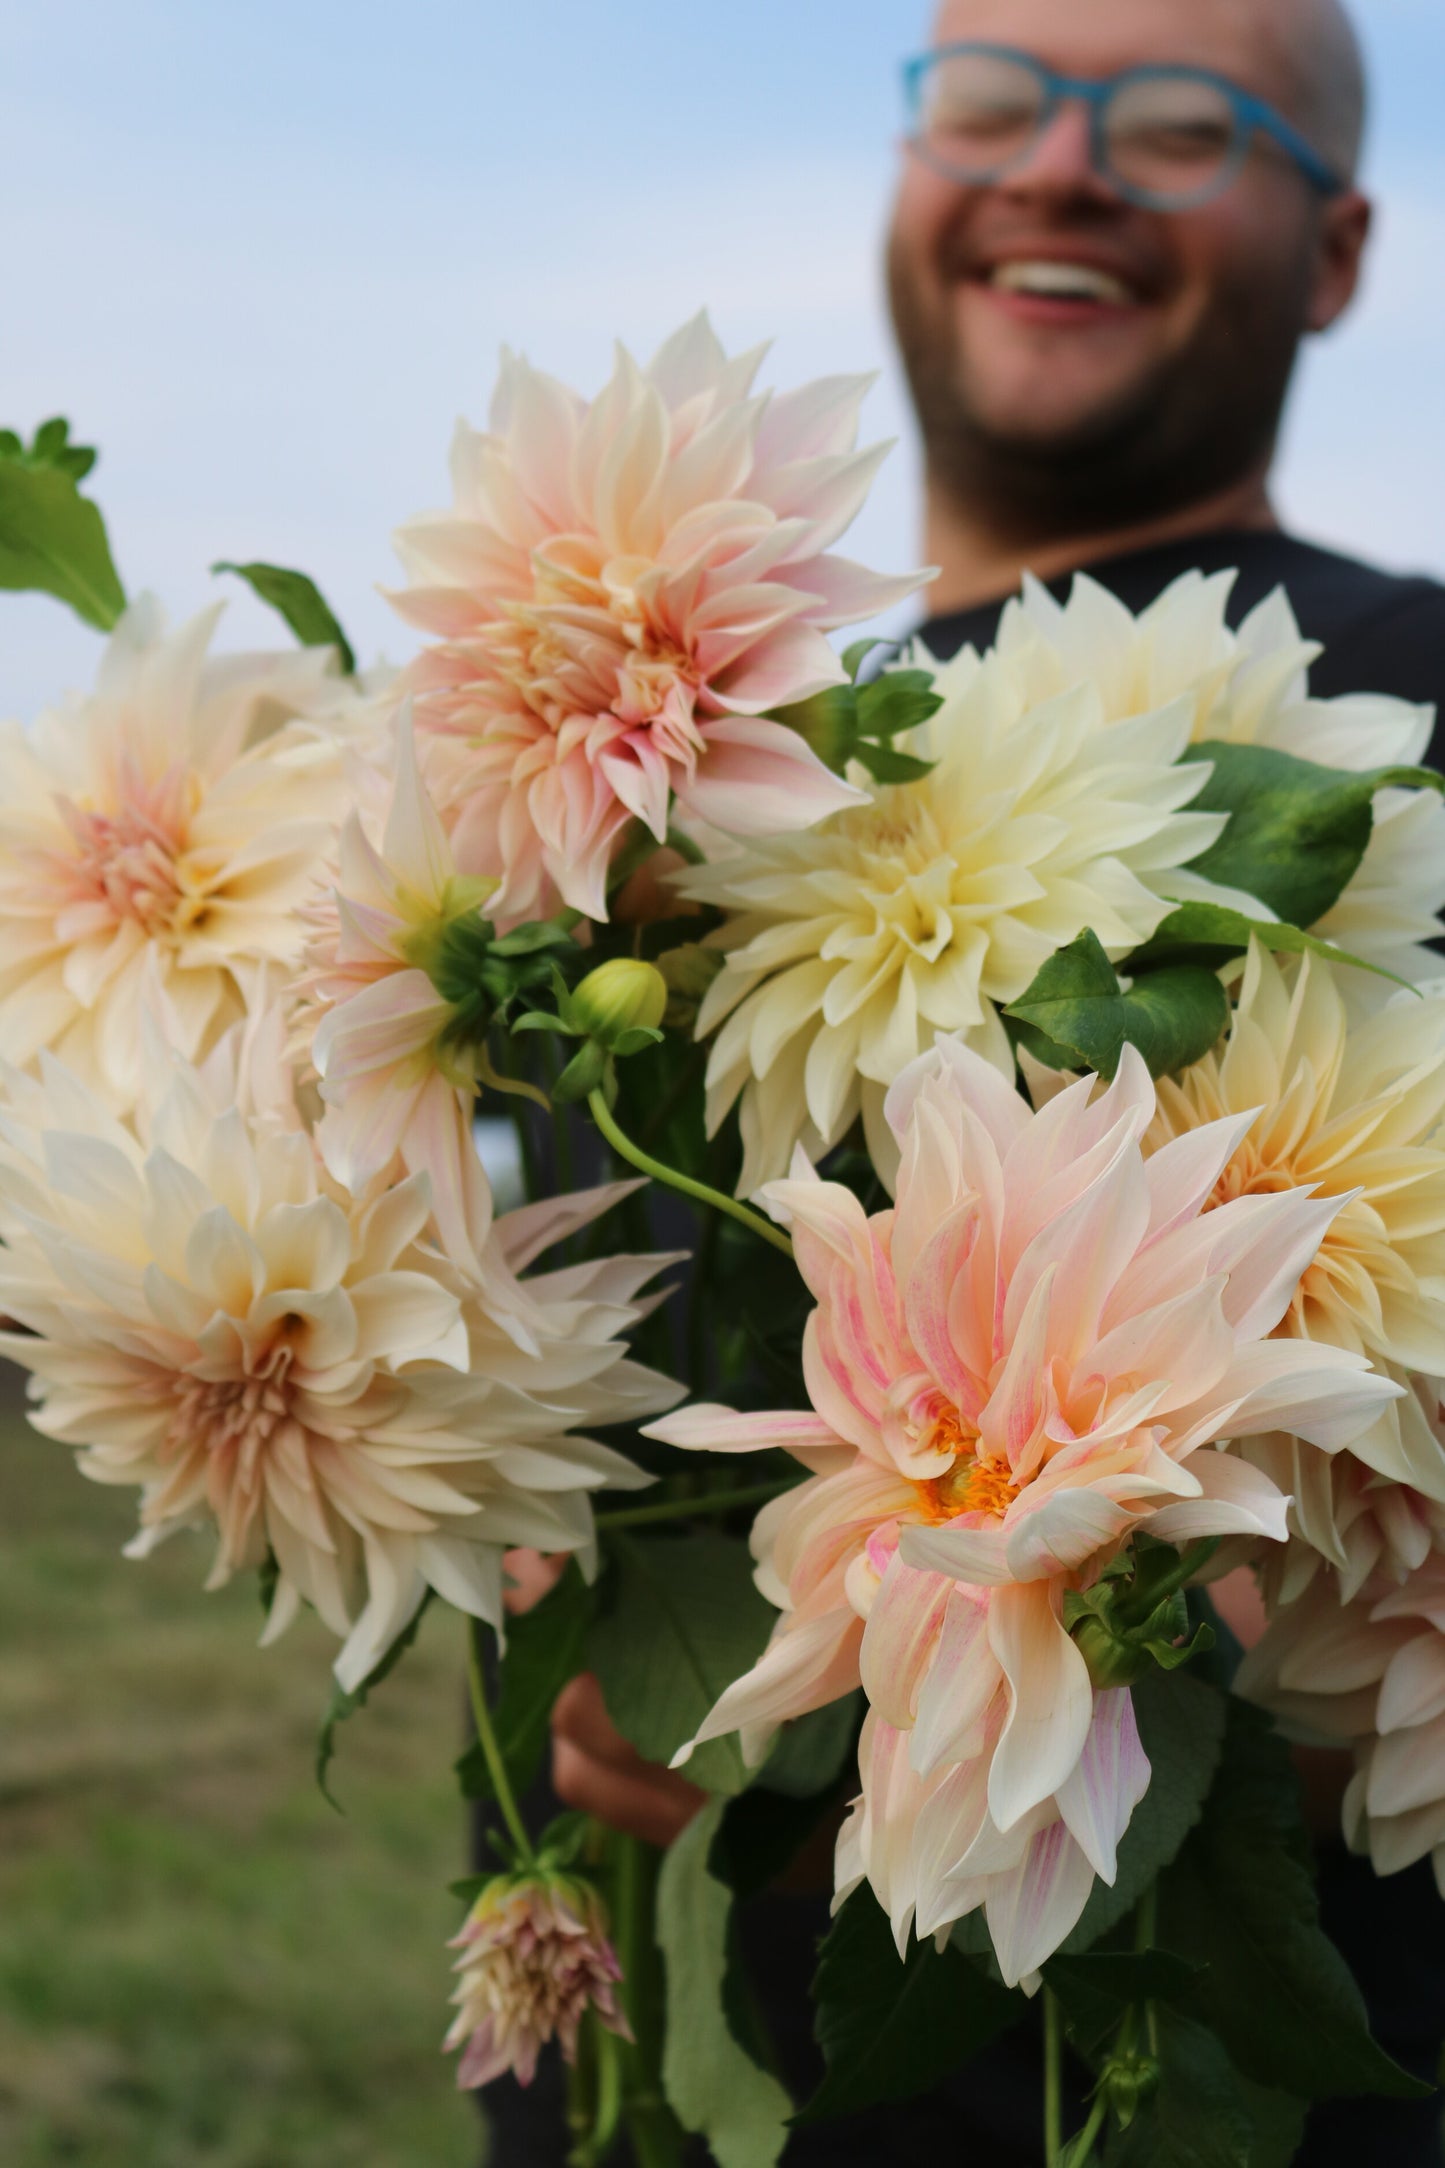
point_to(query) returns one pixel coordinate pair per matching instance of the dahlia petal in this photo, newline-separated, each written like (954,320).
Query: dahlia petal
(1100,1794)
(1051,1702)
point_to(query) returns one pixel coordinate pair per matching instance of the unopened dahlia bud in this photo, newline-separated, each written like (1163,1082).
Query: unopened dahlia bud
(535,1958)
(621,996)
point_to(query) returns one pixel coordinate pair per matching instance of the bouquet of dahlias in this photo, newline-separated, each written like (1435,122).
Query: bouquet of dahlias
(1028,1075)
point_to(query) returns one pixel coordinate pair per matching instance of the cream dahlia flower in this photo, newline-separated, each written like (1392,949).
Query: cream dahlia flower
(934,904)
(1352,1113)
(1033,1357)
(1251,687)
(397,1079)
(622,590)
(1369,1674)
(535,1958)
(156,839)
(209,1316)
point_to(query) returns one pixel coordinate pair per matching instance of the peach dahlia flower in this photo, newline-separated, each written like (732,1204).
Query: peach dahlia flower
(1035,1355)
(156,840)
(210,1317)
(620,593)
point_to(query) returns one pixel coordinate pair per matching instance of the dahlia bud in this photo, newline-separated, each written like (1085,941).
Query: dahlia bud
(535,1959)
(621,996)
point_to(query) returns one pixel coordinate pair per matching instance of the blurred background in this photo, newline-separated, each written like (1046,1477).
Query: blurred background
(262,257)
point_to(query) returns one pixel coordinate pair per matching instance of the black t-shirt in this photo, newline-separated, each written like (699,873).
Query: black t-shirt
(1381,634)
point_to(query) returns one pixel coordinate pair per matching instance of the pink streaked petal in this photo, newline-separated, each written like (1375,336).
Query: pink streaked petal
(1097,1799)
(1236,1500)
(758,777)
(961,1683)
(1034,1906)
(976,1555)
(806,1665)
(707,1428)
(1011,1424)
(844,593)
(903,1628)
(1061,1532)
(1053,1701)
(793,663)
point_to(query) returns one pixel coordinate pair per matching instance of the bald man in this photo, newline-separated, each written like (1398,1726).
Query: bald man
(1099,324)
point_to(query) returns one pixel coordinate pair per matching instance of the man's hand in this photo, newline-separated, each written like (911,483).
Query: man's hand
(593,1767)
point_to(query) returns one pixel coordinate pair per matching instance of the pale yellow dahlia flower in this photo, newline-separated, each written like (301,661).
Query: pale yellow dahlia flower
(156,839)
(1350,1111)
(209,1316)
(1251,687)
(936,903)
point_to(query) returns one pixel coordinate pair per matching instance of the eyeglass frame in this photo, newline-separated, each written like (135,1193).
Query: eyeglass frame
(1251,116)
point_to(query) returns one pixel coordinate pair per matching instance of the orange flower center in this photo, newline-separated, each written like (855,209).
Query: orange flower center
(976,1483)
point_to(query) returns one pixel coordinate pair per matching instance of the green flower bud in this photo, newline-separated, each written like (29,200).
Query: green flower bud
(1113,1659)
(621,996)
(1128,2081)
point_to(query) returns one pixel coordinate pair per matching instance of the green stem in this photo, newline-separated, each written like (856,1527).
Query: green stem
(1080,2145)
(624,1147)
(687,1509)
(1146,1927)
(1053,2080)
(491,1752)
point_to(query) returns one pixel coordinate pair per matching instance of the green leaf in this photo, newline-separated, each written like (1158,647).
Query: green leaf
(1077,1009)
(804,1779)
(300,602)
(712,2084)
(1095,1990)
(1241,1897)
(343,1706)
(680,1620)
(1210,933)
(828,722)
(892,2026)
(886,765)
(855,656)
(1200,2115)
(1181,1728)
(545,1648)
(1297,831)
(899,700)
(809,1753)
(53,540)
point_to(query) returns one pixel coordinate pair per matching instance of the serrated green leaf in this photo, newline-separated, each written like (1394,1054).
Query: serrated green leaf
(1181,1729)
(892,2026)
(886,765)
(1077,1007)
(1097,1988)
(680,1619)
(545,1648)
(53,540)
(1241,1898)
(712,2084)
(342,1706)
(296,598)
(1219,933)
(899,700)
(1297,831)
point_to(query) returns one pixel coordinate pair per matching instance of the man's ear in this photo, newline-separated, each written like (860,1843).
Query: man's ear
(1339,253)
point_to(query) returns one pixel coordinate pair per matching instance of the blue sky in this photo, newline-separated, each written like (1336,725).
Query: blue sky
(264,255)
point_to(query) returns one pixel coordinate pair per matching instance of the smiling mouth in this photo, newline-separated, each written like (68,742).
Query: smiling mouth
(1043,279)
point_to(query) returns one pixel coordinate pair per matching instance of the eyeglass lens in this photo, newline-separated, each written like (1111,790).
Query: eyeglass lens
(1167,137)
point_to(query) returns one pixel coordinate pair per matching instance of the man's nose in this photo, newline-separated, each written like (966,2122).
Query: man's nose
(1061,160)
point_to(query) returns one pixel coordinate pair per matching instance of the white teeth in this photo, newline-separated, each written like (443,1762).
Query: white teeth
(1059,281)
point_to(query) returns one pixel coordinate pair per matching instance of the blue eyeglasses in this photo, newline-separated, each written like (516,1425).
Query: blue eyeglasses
(1165,138)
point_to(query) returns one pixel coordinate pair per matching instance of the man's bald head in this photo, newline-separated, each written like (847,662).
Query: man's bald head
(1322,52)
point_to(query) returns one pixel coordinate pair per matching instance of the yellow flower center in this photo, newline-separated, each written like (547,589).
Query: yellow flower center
(976,1483)
(134,860)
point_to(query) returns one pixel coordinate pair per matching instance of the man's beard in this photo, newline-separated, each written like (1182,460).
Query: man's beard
(1201,420)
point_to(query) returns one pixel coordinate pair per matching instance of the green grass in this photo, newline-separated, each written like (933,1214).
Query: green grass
(201,1962)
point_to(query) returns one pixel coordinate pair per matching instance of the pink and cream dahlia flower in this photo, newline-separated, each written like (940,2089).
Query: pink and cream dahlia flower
(1038,1353)
(535,1958)
(397,1080)
(209,1316)
(622,591)
(156,840)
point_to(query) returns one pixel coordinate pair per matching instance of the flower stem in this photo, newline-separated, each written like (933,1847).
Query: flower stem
(688,1509)
(1053,2080)
(491,1752)
(623,1145)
